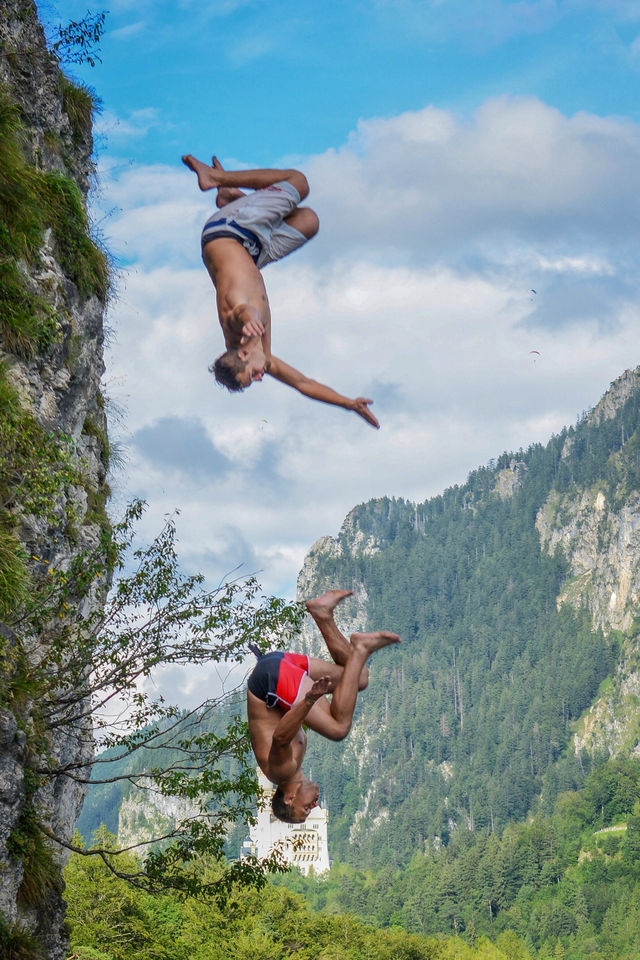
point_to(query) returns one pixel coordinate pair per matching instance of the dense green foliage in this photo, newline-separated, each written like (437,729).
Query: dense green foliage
(110,920)
(36,465)
(473,713)
(17,943)
(31,202)
(568,885)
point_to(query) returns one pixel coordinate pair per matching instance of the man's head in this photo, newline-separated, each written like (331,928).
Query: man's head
(237,369)
(292,803)
(226,369)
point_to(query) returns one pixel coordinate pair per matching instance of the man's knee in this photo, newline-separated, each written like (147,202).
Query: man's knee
(305,220)
(311,224)
(300,182)
(339,731)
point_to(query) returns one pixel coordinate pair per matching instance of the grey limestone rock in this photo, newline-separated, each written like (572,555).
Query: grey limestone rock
(61,388)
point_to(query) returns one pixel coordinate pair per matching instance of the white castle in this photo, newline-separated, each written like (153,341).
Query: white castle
(304,845)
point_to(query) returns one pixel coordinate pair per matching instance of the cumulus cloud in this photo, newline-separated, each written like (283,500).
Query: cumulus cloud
(428,185)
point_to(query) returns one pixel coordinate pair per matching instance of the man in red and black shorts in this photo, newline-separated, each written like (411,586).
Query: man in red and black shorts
(286,690)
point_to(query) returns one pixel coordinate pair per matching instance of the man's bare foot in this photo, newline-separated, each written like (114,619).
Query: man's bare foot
(321,608)
(373,641)
(205,174)
(225,194)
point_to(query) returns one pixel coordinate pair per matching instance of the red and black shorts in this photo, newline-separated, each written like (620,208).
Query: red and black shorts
(277,678)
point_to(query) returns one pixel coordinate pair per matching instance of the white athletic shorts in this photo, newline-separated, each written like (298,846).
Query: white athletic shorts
(257,221)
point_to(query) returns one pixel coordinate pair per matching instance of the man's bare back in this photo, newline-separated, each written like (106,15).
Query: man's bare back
(238,241)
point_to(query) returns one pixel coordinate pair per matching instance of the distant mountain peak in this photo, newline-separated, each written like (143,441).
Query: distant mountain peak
(618,393)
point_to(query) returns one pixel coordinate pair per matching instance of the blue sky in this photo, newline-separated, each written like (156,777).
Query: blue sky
(262,79)
(460,154)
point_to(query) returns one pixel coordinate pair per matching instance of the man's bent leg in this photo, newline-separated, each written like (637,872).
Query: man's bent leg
(322,668)
(225,195)
(343,700)
(321,609)
(334,721)
(210,177)
(304,220)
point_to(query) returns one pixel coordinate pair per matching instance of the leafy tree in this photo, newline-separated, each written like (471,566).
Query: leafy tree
(108,917)
(78,41)
(85,680)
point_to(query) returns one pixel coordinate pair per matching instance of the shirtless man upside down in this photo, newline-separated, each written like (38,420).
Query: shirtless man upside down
(287,690)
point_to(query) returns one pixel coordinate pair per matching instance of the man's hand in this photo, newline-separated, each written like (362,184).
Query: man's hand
(361,407)
(320,687)
(251,328)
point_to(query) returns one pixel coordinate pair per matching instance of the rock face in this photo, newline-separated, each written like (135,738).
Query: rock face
(12,794)
(602,543)
(352,614)
(599,534)
(59,387)
(147,814)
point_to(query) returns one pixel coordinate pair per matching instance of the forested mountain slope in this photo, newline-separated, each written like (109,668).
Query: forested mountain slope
(515,595)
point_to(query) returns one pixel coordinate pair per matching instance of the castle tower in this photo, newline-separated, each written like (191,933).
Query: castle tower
(305,844)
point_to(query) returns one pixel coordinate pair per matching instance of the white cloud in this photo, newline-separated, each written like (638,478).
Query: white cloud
(136,124)
(427,184)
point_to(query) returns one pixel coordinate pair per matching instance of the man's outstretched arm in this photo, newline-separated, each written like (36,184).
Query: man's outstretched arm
(318,391)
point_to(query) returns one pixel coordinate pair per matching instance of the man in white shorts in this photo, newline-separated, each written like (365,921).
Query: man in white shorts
(245,234)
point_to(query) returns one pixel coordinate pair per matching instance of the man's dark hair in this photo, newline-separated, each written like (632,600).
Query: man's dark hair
(226,368)
(281,809)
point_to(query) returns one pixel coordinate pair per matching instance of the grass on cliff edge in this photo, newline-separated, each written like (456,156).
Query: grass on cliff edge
(33,202)
(36,207)
(35,467)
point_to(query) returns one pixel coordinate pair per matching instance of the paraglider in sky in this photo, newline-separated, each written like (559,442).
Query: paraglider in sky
(535,353)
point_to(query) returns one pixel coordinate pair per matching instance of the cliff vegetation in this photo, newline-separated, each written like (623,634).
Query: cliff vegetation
(54,456)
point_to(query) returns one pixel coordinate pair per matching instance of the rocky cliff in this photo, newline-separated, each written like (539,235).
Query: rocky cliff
(53,454)
(598,530)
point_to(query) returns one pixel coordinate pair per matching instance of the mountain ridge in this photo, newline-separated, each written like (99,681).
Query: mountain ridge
(580,496)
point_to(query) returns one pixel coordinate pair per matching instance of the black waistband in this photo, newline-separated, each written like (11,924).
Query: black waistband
(236,229)
(263,680)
